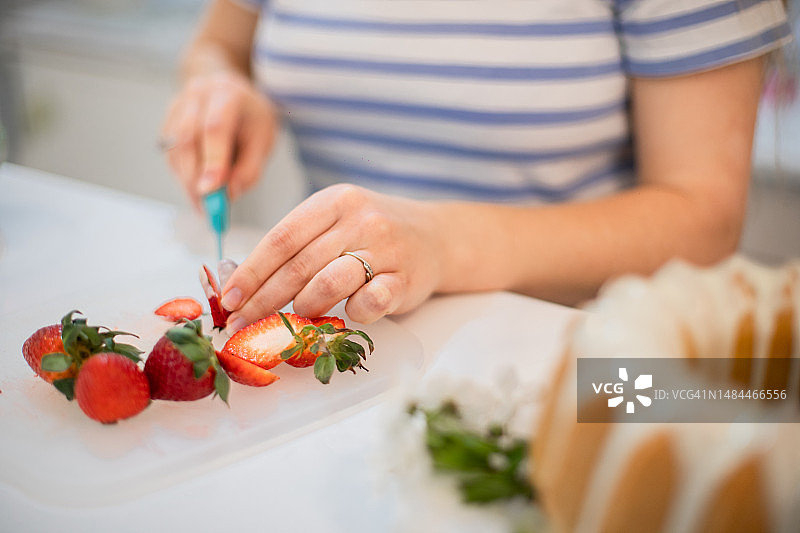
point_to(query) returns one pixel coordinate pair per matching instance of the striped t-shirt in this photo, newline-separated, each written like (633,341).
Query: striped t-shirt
(495,100)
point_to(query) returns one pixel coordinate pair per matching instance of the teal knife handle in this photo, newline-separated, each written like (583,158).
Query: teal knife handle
(216,204)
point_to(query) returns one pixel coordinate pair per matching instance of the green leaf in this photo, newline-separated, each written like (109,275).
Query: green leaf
(194,352)
(323,368)
(286,323)
(288,352)
(485,488)
(56,362)
(181,335)
(201,367)
(67,319)
(129,351)
(327,328)
(66,387)
(69,337)
(222,383)
(364,336)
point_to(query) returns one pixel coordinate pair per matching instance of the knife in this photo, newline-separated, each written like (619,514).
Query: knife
(218,212)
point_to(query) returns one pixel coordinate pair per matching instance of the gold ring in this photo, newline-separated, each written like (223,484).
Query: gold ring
(367,267)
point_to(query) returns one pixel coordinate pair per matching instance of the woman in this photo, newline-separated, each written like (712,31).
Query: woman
(541,147)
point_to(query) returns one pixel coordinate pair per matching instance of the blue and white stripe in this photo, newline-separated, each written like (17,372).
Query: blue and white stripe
(495,100)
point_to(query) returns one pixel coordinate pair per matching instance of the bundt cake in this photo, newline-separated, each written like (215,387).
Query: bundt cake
(675,475)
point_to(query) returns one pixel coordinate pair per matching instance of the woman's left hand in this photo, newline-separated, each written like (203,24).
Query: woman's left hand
(301,259)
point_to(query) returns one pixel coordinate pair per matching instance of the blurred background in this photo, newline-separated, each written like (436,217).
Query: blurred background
(84,85)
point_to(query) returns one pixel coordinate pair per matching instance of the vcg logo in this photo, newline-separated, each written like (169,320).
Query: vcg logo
(644,381)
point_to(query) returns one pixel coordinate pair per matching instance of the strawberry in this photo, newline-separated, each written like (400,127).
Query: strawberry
(263,341)
(307,357)
(266,344)
(111,387)
(335,321)
(56,352)
(43,341)
(179,309)
(183,366)
(219,315)
(245,372)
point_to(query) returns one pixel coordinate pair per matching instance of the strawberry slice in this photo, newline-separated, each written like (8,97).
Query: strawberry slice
(335,321)
(245,372)
(179,309)
(263,341)
(219,315)
(307,357)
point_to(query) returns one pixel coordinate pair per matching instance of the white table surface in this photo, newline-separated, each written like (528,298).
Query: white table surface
(59,238)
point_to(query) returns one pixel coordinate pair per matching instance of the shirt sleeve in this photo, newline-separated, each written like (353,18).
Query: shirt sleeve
(673,37)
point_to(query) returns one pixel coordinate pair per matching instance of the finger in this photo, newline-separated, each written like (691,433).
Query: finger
(184,156)
(290,278)
(168,126)
(217,140)
(376,299)
(338,280)
(252,152)
(308,221)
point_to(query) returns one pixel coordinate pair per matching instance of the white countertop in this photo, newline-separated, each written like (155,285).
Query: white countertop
(65,244)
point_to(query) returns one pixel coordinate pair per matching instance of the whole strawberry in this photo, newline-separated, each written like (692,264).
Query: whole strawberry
(183,366)
(56,352)
(110,387)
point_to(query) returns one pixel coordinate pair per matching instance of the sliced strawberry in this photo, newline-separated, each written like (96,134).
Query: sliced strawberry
(219,315)
(245,372)
(335,321)
(263,341)
(307,357)
(179,309)
(111,387)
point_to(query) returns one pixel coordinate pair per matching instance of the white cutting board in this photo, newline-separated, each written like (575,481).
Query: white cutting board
(53,453)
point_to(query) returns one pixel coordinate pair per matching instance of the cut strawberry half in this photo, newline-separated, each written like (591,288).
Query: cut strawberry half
(245,372)
(219,315)
(307,357)
(263,341)
(179,309)
(335,321)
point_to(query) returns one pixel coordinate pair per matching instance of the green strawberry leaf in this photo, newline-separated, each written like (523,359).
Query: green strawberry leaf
(201,367)
(129,351)
(222,383)
(323,368)
(56,362)
(288,352)
(66,386)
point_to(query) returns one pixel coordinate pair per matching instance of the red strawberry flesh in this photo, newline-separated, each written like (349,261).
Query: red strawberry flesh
(245,372)
(219,315)
(179,309)
(262,342)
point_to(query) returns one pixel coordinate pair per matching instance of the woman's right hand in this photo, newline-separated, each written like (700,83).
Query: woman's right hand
(221,130)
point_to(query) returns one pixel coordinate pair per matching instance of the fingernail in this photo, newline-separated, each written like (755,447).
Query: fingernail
(206,183)
(235,325)
(232,299)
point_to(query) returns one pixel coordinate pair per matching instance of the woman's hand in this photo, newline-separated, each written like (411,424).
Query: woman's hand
(301,259)
(221,130)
